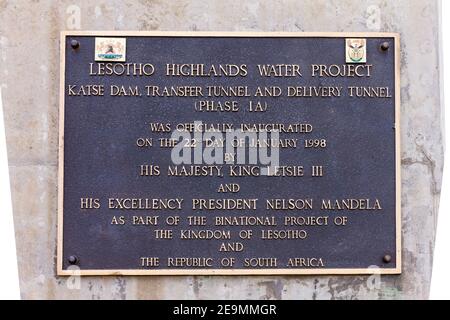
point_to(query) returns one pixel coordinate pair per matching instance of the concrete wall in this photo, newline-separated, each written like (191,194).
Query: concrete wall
(29,80)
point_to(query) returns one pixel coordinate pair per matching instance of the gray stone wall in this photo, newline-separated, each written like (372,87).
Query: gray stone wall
(29,82)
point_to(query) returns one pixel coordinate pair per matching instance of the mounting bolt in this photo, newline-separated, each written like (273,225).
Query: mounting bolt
(74,44)
(385,46)
(73,259)
(387,258)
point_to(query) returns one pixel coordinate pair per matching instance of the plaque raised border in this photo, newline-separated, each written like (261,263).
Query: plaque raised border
(280,271)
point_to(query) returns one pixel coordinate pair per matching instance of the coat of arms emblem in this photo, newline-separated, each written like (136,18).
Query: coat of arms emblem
(356,50)
(110,49)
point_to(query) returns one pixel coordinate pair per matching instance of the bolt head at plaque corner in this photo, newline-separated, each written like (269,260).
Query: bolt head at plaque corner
(385,46)
(73,259)
(75,44)
(387,258)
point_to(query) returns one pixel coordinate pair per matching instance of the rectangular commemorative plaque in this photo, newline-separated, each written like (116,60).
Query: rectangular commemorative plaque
(229,153)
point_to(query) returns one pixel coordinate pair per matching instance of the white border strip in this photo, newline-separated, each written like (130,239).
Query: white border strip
(440,281)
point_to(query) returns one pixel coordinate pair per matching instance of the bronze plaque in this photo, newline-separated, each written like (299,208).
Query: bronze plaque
(229,153)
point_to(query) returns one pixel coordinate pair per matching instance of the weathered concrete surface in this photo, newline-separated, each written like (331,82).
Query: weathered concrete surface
(29,77)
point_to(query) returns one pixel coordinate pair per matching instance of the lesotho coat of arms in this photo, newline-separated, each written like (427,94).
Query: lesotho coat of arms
(110,49)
